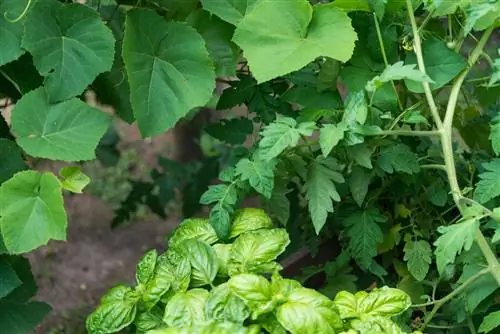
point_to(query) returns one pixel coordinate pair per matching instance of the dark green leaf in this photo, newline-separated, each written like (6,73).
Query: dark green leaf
(17,318)
(398,157)
(359,181)
(309,97)
(259,173)
(232,131)
(231,11)
(11,29)
(12,161)
(419,257)
(8,278)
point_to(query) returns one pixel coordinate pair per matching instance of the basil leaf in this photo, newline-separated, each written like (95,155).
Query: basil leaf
(147,321)
(308,311)
(255,291)
(186,308)
(223,252)
(116,311)
(281,288)
(146,267)
(347,304)
(193,228)
(249,219)
(385,302)
(271,324)
(223,305)
(375,325)
(204,262)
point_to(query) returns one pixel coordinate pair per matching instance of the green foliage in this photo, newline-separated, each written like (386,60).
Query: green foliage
(245,302)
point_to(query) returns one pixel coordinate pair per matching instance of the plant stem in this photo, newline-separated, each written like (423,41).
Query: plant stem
(438,304)
(384,56)
(434,166)
(411,133)
(417,45)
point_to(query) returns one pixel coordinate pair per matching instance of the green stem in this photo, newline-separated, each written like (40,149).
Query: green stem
(434,166)
(438,304)
(410,133)
(384,56)
(417,45)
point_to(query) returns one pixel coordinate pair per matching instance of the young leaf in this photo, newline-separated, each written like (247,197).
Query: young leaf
(441,64)
(31,211)
(165,82)
(231,11)
(70,45)
(329,137)
(11,31)
(225,197)
(495,133)
(364,235)
(116,311)
(259,173)
(419,257)
(399,158)
(359,182)
(232,131)
(12,160)
(74,179)
(146,267)
(223,305)
(488,186)
(282,134)
(223,253)
(397,71)
(186,308)
(204,262)
(249,219)
(193,228)
(68,131)
(321,190)
(255,290)
(454,239)
(490,322)
(277,44)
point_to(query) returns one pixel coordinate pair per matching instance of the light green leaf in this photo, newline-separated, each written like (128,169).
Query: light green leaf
(488,186)
(63,50)
(415,117)
(282,134)
(490,322)
(386,302)
(147,321)
(495,133)
(193,228)
(249,219)
(347,304)
(20,318)
(277,44)
(165,82)
(359,182)
(281,288)
(364,235)
(74,179)
(11,31)
(356,110)
(146,267)
(397,71)
(223,252)
(308,311)
(31,211)
(8,278)
(223,305)
(253,249)
(116,311)
(12,160)
(217,35)
(480,289)
(329,137)
(204,262)
(441,7)
(186,308)
(419,257)
(259,173)
(441,64)
(231,11)
(255,290)
(454,239)
(481,15)
(68,131)
(495,76)
(320,189)
(398,157)
(351,6)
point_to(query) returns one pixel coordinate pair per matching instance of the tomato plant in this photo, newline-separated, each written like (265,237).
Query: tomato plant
(373,124)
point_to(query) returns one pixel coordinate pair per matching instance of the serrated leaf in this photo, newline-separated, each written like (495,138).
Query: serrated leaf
(165,83)
(231,11)
(282,134)
(398,158)
(320,189)
(488,186)
(68,131)
(74,179)
(12,161)
(232,131)
(418,254)
(495,134)
(277,44)
(441,64)
(329,137)
(453,240)
(11,29)
(259,173)
(70,46)
(490,322)
(364,235)
(359,182)
(481,15)
(397,71)
(31,211)
(361,154)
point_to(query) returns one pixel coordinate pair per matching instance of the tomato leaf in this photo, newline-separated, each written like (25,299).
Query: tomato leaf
(259,173)
(419,257)
(488,186)
(399,158)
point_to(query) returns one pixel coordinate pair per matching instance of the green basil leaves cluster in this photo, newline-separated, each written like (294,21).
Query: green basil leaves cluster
(202,286)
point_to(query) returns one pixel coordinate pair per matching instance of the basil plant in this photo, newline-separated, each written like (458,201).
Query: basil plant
(200,285)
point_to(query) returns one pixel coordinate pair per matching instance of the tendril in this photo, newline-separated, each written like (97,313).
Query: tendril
(23,14)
